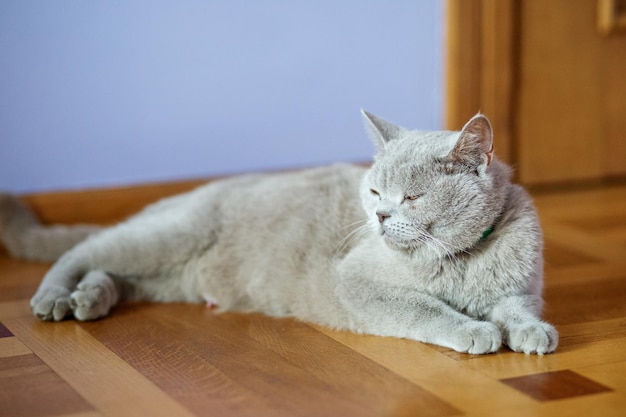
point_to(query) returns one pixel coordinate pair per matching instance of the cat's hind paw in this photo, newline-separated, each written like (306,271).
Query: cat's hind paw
(538,338)
(94,296)
(478,337)
(51,302)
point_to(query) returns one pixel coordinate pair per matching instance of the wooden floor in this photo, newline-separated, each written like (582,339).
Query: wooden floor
(182,360)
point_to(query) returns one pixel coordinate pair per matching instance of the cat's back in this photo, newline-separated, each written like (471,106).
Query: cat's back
(259,198)
(289,203)
(288,189)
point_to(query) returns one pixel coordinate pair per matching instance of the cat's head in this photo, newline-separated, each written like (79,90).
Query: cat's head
(433,190)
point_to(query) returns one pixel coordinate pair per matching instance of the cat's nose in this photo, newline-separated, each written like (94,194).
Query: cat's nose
(382,216)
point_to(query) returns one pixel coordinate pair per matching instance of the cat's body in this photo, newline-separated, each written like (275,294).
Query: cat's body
(432,243)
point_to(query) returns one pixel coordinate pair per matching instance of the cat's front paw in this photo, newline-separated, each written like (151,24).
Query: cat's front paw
(478,337)
(94,296)
(530,338)
(51,302)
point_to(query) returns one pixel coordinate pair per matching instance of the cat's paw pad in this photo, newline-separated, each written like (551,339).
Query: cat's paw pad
(51,302)
(87,304)
(530,338)
(478,337)
(93,298)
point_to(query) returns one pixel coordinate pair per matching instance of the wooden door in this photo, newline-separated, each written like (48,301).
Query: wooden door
(553,83)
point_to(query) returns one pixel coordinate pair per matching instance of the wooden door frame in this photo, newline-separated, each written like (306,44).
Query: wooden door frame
(481,67)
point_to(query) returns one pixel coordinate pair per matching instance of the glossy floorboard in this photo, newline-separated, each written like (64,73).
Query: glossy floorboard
(183,360)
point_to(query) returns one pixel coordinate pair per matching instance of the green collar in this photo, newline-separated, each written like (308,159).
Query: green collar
(486,233)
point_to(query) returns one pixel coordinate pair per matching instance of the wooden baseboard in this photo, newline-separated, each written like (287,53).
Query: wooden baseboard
(102,206)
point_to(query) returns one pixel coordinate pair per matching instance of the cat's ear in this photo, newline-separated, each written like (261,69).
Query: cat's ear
(475,144)
(381,131)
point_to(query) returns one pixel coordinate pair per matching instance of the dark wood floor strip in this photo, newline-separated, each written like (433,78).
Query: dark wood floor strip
(555,385)
(29,388)
(4,332)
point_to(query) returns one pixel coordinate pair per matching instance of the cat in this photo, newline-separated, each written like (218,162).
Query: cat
(432,242)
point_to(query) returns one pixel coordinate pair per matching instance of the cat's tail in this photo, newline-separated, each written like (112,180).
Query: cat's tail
(25,237)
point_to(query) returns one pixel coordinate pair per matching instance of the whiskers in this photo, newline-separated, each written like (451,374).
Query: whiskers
(400,235)
(361,228)
(438,246)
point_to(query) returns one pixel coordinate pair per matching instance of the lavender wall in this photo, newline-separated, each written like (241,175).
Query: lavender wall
(101,93)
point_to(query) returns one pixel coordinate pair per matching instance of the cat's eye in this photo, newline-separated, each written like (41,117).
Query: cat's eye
(374,192)
(412,197)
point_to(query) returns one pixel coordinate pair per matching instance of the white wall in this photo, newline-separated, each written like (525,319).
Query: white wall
(99,93)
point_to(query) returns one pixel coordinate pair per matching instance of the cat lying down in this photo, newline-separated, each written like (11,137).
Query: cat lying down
(432,243)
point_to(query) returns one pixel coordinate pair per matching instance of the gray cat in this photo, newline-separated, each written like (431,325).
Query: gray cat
(432,243)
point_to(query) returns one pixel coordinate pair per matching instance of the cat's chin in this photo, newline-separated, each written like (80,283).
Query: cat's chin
(395,243)
(412,246)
